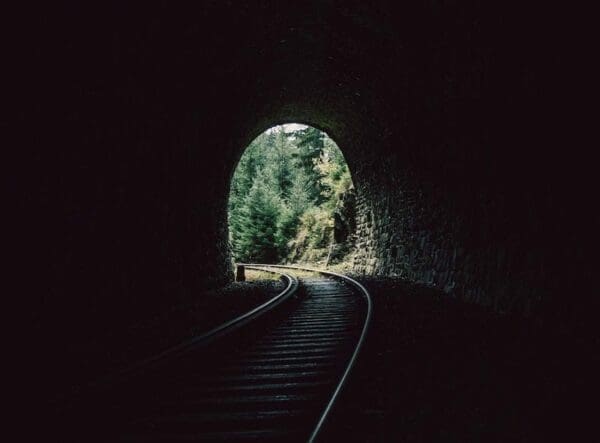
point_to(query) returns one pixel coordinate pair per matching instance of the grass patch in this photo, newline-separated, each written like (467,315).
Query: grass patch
(254,276)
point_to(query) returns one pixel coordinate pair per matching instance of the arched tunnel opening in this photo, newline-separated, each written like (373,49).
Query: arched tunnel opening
(292,200)
(474,214)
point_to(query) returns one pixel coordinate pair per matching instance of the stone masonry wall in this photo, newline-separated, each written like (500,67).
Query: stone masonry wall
(417,234)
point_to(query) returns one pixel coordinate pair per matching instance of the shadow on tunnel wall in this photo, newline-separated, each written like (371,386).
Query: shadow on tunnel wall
(454,120)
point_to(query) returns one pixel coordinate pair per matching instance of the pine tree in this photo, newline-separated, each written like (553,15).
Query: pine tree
(256,221)
(282,162)
(310,145)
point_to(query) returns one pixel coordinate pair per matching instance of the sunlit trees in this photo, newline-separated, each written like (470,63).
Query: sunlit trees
(284,194)
(257,222)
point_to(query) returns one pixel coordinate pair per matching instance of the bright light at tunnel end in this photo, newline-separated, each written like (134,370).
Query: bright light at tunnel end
(288,127)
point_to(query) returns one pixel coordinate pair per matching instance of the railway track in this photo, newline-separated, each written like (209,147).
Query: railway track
(277,385)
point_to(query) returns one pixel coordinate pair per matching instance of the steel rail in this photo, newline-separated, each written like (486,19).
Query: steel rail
(207,337)
(359,345)
(230,325)
(315,415)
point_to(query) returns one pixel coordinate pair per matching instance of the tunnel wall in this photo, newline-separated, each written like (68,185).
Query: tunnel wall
(416,234)
(454,120)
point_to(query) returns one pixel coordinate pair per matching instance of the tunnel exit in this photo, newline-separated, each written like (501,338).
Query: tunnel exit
(292,200)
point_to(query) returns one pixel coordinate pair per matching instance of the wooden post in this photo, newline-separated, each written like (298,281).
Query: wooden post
(329,254)
(240,274)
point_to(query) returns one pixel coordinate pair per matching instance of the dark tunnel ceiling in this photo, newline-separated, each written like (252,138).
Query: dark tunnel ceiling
(450,105)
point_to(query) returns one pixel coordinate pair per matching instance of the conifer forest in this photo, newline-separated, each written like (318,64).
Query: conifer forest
(292,199)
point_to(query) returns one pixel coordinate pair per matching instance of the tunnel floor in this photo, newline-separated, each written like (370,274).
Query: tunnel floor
(436,369)
(114,349)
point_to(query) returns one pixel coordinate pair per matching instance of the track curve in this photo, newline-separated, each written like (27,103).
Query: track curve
(278,386)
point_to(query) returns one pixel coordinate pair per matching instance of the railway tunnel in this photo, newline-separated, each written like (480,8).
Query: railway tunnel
(451,116)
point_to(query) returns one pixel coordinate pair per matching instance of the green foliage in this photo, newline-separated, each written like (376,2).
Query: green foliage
(310,144)
(258,235)
(283,196)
